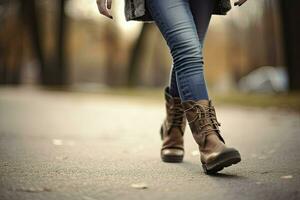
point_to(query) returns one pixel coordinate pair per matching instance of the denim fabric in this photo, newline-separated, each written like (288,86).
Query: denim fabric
(183,24)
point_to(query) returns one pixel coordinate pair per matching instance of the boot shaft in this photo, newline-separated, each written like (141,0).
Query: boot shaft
(202,120)
(175,113)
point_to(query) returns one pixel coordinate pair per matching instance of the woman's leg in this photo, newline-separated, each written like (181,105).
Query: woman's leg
(201,11)
(176,22)
(183,24)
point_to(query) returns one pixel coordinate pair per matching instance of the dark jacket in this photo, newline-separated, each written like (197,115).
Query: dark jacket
(136,10)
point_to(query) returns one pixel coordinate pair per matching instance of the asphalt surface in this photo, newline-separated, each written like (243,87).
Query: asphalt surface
(56,145)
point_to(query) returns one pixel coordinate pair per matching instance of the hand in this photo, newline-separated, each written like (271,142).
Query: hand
(239,2)
(103,6)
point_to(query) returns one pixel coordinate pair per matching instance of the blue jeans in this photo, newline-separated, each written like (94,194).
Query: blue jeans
(183,24)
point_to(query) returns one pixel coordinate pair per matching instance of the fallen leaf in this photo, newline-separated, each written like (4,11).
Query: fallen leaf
(286,177)
(139,185)
(271,151)
(57,142)
(265,172)
(33,189)
(262,157)
(61,157)
(254,155)
(47,189)
(88,198)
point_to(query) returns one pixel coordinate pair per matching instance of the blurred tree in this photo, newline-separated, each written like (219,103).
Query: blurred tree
(11,33)
(112,50)
(30,16)
(61,67)
(25,23)
(56,73)
(136,53)
(291,35)
(270,32)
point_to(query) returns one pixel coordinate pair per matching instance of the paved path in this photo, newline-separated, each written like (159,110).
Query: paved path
(56,145)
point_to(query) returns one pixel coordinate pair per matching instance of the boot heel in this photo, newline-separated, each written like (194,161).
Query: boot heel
(172,158)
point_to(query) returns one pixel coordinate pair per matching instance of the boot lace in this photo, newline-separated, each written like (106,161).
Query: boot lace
(208,117)
(177,112)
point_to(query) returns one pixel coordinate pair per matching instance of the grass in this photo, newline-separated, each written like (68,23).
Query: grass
(290,101)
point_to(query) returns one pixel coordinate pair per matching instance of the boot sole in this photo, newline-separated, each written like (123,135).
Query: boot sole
(225,159)
(172,159)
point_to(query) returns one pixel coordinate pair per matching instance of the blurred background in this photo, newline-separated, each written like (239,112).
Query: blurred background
(67,44)
(81,103)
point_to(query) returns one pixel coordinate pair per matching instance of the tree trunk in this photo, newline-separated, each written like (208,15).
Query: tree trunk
(137,51)
(29,12)
(61,68)
(291,32)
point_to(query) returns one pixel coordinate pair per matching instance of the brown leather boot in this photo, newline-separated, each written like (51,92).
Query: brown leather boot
(172,129)
(215,155)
